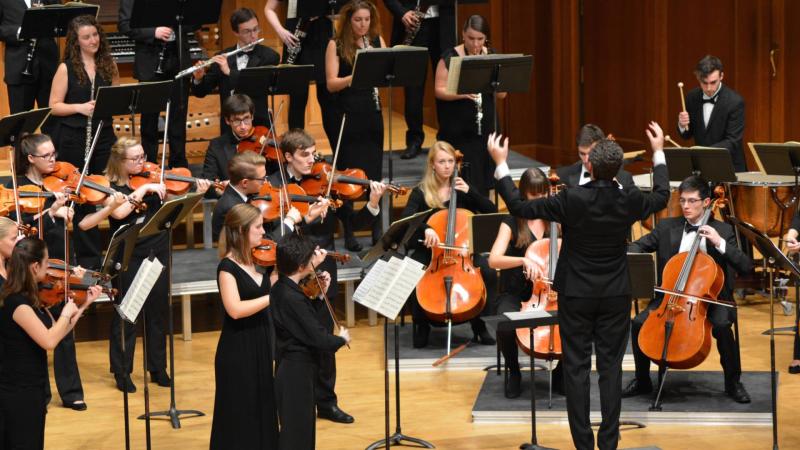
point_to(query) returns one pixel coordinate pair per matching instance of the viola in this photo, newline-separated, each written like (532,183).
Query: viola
(94,190)
(269,200)
(177,180)
(678,333)
(348,184)
(264,254)
(258,141)
(51,291)
(31,199)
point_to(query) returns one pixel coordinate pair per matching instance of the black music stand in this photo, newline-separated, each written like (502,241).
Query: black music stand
(712,164)
(52,20)
(132,99)
(390,67)
(115,262)
(484,74)
(776,259)
(171,213)
(392,240)
(12,127)
(530,321)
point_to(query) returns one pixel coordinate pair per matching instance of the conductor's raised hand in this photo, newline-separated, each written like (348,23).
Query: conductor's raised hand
(656,136)
(498,148)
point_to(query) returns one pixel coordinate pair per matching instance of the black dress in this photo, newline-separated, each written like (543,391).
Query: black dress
(24,381)
(245,416)
(457,125)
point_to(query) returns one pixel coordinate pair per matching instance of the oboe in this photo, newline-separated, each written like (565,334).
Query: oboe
(375,94)
(411,33)
(478,99)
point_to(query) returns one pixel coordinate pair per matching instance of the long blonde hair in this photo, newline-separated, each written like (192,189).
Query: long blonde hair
(117,158)
(234,234)
(345,41)
(430,184)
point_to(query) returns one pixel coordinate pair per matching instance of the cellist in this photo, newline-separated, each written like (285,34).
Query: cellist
(434,192)
(672,236)
(508,254)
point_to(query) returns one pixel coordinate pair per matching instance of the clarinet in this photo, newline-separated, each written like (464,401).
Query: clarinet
(89,122)
(411,33)
(27,71)
(300,34)
(479,108)
(375,94)
(162,56)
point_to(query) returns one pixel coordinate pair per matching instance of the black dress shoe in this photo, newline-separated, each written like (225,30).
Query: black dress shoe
(334,414)
(421,334)
(78,405)
(738,393)
(352,244)
(794,369)
(122,380)
(484,338)
(411,151)
(635,387)
(160,378)
(513,388)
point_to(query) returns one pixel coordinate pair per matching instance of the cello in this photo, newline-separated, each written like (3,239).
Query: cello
(452,289)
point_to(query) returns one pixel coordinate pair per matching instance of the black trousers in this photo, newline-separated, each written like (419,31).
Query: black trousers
(325,389)
(154,315)
(22,417)
(428,36)
(21,97)
(604,323)
(721,318)
(65,368)
(295,388)
(176,129)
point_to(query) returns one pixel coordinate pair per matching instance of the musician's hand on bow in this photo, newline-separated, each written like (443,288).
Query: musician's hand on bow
(344,333)
(318,209)
(294,215)
(656,136)
(431,238)
(530,269)
(683,119)
(319,255)
(222,62)
(410,19)
(164,33)
(462,185)
(710,234)
(498,148)
(376,190)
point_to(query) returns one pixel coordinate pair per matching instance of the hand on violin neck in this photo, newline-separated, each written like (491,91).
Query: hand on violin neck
(78,271)
(202,185)
(498,148)
(376,191)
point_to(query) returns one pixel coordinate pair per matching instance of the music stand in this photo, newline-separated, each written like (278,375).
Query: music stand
(130,99)
(394,238)
(530,321)
(116,261)
(390,67)
(712,164)
(51,21)
(776,259)
(169,214)
(495,73)
(779,159)
(11,127)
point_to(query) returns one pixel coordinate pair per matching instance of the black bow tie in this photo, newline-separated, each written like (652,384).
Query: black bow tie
(586,175)
(688,228)
(711,100)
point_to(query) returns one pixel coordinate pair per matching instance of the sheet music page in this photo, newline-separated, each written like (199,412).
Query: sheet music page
(367,286)
(291,9)
(140,288)
(405,282)
(520,315)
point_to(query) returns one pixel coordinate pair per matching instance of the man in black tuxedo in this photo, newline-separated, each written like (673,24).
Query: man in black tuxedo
(151,45)
(247,173)
(577,174)
(714,115)
(24,90)
(224,74)
(674,235)
(592,274)
(437,33)
(237,113)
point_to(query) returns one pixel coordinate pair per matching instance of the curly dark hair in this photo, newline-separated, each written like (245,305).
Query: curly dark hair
(345,39)
(104,63)
(606,159)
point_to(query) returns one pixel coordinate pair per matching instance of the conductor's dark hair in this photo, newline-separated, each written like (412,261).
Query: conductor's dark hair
(707,66)
(237,104)
(478,23)
(293,251)
(588,135)
(241,16)
(606,159)
(695,184)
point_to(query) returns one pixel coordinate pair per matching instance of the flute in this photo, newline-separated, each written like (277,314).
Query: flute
(210,61)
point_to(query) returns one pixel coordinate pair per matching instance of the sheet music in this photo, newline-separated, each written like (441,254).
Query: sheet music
(387,286)
(291,9)
(367,286)
(140,288)
(397,294)
(521,315)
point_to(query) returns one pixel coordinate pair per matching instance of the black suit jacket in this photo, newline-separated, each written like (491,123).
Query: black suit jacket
(571,175)
(665,240)
(595,221)
(228,200)
(725,126)
(447,24)
(215,79)
(147,47)
(220,151)
(46,57)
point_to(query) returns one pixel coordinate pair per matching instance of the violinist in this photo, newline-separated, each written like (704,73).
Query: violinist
(244,402)
(591,278)
(224,73)
(434,192)
(301,341)
(672,236)
(27,332)
(9,235)
(127,159)
(793,247)
(508,254)
(237,111)
(298,149)
(577,174)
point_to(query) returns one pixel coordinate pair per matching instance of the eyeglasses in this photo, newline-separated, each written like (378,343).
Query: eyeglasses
(255,30)
(244,121)
(690,201)
(137,159)
(48,156)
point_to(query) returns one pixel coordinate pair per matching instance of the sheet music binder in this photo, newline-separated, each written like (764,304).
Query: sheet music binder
(140,288)
(388,284)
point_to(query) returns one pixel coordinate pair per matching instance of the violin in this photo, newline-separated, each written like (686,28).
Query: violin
(258,141)
(94,190)
(309,284)
(270,200)
(348,184)
(51,291)
(177,180)
(678,333)
(264,254)
(31,199)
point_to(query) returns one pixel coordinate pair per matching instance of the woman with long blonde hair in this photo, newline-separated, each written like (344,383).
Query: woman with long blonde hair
(434,191)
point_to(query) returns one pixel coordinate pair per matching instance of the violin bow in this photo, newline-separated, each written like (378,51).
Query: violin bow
(13,159)
(284,192)
(273,134)
(335,156)
(164,147)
